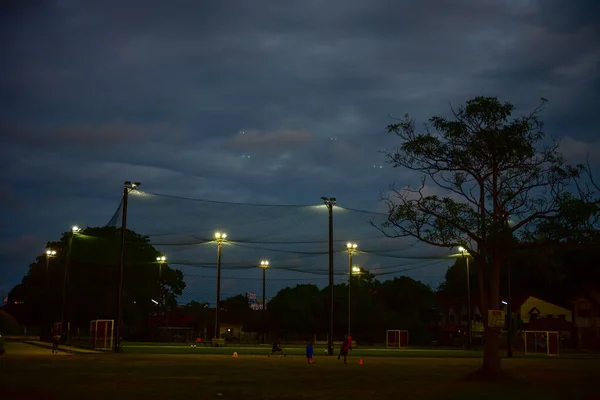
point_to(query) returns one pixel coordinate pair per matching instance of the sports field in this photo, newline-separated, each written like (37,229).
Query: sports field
(28,372)
(298,350)
(248,349)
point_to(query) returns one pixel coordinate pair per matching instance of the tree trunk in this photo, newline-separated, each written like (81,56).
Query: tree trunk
(491,357)
(491,368)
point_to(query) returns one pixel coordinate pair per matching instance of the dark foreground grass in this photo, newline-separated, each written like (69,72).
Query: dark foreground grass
(128,376)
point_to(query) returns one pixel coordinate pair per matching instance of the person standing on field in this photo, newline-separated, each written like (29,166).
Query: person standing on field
(345,347)
(309,353)
(55,341)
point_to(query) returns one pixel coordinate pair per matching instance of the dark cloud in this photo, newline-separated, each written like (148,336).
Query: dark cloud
(94,93)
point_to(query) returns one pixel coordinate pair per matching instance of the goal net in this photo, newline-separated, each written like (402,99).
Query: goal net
(542,342)
(101,334)
(395,339)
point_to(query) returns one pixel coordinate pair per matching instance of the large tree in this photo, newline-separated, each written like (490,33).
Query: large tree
(409,305)
(296,309)
(91,258)
(502,177)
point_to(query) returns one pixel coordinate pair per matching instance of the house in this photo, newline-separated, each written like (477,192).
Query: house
(531,313)
(452,328)
(533,308)
(534,313)
(586,314)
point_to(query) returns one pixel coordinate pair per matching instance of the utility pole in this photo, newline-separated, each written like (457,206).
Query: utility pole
(127,187)
(330,202)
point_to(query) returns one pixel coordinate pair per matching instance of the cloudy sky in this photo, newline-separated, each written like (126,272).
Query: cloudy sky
(266,101)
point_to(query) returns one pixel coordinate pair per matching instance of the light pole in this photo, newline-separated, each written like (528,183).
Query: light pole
(219,238)
(355,271)
(49,253)
(128,186)
(161,260)
(46,305)
(330,202)
(465,256)
(161,295)
(74,230)
(351,247)
(264,264)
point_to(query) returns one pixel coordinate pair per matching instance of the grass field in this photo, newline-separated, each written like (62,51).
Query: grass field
(246,349)
(38,375)
(249,349)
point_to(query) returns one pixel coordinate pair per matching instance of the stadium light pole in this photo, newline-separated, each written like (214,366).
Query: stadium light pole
(74,230)
(128,186)
(161,261)
(264,264)
(219,238)
(49,254)
(465,256)
(330,202)
(351,247)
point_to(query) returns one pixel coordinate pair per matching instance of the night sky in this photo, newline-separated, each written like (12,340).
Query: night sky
(277,102)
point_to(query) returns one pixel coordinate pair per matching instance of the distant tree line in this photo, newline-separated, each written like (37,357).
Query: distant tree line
(91,260)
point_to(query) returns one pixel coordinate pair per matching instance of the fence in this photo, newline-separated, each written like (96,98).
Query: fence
(294,240)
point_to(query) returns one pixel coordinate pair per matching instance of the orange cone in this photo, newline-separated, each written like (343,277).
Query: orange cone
(361,361)
(235,355)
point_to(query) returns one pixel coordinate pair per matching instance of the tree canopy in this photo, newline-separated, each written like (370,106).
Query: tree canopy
(400,303)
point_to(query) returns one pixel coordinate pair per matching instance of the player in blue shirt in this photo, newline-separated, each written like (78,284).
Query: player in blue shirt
(309,353)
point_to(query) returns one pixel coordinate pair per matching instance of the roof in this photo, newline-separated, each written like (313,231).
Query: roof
(519,299)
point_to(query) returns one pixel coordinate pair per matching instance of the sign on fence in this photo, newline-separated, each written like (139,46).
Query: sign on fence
(496,318)
(251,297)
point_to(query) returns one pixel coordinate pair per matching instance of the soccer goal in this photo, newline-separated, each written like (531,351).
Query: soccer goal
(101,333)
(395,339)
(542,342)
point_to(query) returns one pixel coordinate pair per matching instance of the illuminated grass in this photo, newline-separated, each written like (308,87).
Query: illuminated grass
(157,348)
